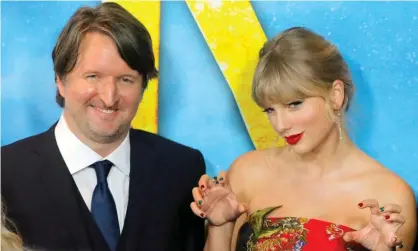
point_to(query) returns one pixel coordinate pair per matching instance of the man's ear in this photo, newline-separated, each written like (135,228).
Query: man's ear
(60,85)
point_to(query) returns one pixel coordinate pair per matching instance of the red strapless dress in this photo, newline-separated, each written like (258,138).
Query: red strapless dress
(263,233)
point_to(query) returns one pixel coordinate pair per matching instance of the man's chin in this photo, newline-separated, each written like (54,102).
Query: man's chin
(107,135)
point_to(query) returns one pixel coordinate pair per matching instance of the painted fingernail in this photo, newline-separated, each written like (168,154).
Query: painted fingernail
(387,217)
(202,215)
(360,204)
(382,209)
(200,202)
(202,186)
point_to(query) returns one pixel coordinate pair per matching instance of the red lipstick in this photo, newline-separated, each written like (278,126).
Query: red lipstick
(294,139)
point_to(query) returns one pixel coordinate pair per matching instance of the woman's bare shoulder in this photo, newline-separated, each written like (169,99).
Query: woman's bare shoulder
(249,169)
(387,186)
(390,188)
(252,162)
(378,182)
(389,183)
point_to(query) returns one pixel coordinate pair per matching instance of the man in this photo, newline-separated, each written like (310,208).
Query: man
(90,182)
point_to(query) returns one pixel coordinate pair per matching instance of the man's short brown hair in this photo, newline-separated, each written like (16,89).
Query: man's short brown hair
(130,36)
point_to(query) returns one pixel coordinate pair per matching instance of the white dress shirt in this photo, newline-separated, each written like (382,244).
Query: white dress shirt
(78,157)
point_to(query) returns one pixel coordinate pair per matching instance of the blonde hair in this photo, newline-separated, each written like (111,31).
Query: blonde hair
(297,64)
(10,241)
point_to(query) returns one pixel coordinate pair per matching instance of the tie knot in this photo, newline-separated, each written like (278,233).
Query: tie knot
(102,169)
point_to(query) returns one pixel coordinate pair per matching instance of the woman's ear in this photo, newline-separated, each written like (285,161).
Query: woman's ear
(337,94)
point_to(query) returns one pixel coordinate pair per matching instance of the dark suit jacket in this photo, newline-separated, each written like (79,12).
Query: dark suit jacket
(43,201)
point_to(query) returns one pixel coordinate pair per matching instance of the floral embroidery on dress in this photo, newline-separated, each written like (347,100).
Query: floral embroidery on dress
(334,231)
(263,233)
(286,234)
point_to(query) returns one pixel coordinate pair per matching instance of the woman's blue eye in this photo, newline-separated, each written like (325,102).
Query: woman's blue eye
(294,104)
(268,110)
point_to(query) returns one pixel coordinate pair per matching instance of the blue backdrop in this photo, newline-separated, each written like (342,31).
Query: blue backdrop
(378,39)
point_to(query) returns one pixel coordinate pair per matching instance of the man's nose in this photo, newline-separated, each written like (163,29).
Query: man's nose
(108,91)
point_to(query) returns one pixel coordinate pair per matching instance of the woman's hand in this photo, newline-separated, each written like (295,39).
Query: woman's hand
(380,233)
(215,200)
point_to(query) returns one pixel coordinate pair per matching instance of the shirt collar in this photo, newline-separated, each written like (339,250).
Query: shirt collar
(78,156)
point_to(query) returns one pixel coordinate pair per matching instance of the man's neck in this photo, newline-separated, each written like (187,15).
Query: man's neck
(101,148)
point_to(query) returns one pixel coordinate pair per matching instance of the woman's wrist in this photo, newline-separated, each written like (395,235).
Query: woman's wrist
(219,237)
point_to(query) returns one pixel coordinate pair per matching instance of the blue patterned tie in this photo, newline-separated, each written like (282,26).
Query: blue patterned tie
(103,207)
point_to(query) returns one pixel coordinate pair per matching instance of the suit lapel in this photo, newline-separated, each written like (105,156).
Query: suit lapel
(143,171)
(65,197)
(61,188)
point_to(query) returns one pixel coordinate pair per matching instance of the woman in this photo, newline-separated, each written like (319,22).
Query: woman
(319,191)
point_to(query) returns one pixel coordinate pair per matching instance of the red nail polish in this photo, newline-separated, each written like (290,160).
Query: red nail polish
(387,217)
(360,204)
(202,186)
(202,215)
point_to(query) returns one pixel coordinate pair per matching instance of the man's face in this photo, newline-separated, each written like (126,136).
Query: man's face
(102,92)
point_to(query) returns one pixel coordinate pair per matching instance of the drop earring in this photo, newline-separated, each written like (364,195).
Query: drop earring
(339,124)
